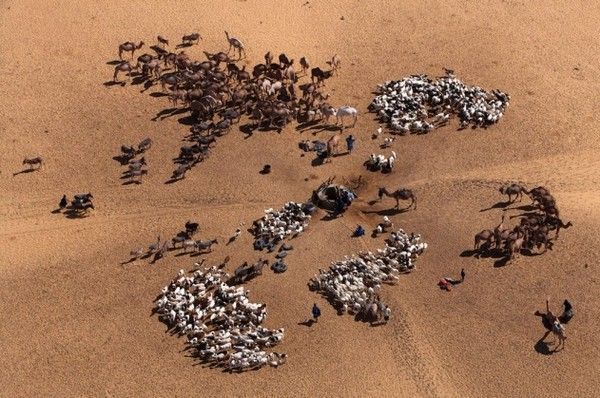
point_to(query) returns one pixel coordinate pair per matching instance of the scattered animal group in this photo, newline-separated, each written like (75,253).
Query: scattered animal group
(79,206)
(534,230)
(353,284)
(418,104)
(135,167)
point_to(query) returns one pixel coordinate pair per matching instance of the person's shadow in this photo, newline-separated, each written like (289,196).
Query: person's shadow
(307,323)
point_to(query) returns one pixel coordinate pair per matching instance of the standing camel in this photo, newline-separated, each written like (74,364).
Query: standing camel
(344,111)
(486,236)
(162,40)
(235,44)
(124,67)
(33,163)
(129,47)
(333,143)
(513,189)
(399,194)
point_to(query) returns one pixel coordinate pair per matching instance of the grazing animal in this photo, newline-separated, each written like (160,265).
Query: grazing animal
(192,38)
(304,65)
(33,163)
(144,145)
(162,40)
(399,194)
(486,236)
(335,63)
(345,111)
(129,47)
(124,67)
(202,245)
(333,143)
(235,44)
(513,189)
(319,76)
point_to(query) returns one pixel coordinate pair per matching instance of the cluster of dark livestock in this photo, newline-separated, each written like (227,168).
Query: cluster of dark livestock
(217,92)
(135,167)
(78,207)
(535,227)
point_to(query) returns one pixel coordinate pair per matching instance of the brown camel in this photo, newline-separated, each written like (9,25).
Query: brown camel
(33,163)
(124,67)
(498,238)
(513,189)
(129,47)
(235,44)
(399,194)
(486,236)
(333,143)
(162,40)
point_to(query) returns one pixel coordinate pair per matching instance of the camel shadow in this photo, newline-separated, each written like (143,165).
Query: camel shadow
(502,262)
(136,81)
(169,112)
(499,205)
(469,253)
(24,171)
(183,45)
(187,120)
(318,161)
(130,182)
(111,83)
(115,62)
(158,94)
(123,160)
(387,212)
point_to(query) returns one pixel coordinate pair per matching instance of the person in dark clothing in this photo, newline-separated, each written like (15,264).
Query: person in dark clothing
(359,231)
(316,312)
(567,313)
(350,140)
(63,202)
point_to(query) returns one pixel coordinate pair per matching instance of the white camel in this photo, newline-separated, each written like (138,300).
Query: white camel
(345,111)
(236,44)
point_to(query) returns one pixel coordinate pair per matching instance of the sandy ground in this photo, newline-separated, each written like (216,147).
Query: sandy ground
(77,323)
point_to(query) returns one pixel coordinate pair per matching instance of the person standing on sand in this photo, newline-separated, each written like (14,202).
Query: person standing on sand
(350,140)
(316,312)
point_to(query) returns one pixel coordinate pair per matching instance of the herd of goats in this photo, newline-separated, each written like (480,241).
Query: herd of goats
(217,92)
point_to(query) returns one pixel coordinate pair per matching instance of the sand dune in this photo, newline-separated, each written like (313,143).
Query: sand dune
(77,323)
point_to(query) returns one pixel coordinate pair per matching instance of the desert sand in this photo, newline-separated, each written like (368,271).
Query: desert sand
(75,322)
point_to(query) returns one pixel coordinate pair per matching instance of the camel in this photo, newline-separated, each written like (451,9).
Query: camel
(124,67)
(486,236)
(33,162)
(235,44)
(335,63)
(154,247)
(344,111)
(129,47)
(553,222)
(144,145)
(399,194)
(319,75)
(304,65)
(513,189)
(162,40)
(514,244)
(333,143)
(192,38)
(499,230)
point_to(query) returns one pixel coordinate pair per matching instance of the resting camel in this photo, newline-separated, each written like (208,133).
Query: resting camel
(399,194)
(235,44)
(513,189)
(129,46)
(124,67)
(486,236)
(33,162)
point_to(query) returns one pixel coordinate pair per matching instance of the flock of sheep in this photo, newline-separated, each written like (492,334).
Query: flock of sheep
(417,104)
(221,324)
(352,284)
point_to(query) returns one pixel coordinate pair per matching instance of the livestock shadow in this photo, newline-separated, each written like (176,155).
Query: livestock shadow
(130,182)
(187,120)
(24,171)
(56,211)
(499,205)
(123,160)
(387,212)
(541,346)
(115,62)
(502,262)
(158,94)
(111,83)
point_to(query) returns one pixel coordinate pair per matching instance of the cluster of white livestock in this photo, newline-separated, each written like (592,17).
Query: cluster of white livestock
(220,323)
(418,104)
(380,162)
(275,225)
(353,283)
